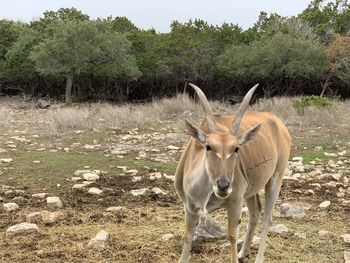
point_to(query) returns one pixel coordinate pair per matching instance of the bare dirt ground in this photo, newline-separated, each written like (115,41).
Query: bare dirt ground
(44,161)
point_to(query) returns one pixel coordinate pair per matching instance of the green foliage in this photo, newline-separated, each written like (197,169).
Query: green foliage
(83,46)
(301,103)
(272,58)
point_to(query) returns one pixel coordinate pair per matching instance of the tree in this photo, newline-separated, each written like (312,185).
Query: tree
(276,60)
(338,53)
(80,47)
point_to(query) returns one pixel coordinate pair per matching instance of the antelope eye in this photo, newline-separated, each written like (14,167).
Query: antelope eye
(236,150)
(207,147)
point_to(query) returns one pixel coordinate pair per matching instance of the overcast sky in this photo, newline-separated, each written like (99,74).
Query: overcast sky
(158,14)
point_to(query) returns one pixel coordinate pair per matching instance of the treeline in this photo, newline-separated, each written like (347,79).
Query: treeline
(65,54)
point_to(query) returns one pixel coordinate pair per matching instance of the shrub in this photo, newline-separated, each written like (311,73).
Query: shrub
(301,103)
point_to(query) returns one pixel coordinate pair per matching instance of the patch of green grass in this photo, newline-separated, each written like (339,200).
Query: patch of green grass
(309,156)
(58,167)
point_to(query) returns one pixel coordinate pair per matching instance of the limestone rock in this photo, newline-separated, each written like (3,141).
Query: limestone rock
(289,210)
(324,204)
(9,207)
(54,202)
(99,241)
(22,229)
(279,229)
(210,229)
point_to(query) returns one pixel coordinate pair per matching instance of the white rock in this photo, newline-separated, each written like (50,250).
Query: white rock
(132,172)
(154,176)
(157,191)
(6,160)
(324,204)
(138,192)
(289,210)
(114,208)
(49,218)
(172,147)
(297,159)
(91,176)
(323,233)
(167,237)
(54,202)
(346,238)
(33,217)
(22,229)
(346,256)
(9,207)
(341,153)
(135,179)
(94,191)
(78,186)
(280,228)
(346,203)
(40,195)
(99,241)
(318,148)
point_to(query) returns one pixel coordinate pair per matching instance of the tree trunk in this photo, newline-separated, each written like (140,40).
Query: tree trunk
(69,89)
(325,85)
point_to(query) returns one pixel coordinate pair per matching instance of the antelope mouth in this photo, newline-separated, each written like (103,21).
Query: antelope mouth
(222,195)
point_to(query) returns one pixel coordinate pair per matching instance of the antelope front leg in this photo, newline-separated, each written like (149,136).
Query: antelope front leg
(191,224)
(234,218)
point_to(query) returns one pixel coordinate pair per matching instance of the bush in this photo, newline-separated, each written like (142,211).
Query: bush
(303,102)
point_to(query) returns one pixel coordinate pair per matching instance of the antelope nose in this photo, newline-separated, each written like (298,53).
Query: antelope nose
(223,185)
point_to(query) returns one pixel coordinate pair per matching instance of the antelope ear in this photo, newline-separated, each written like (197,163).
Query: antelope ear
(249,135)
(195,132)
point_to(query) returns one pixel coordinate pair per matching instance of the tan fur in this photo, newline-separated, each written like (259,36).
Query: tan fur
(259,164)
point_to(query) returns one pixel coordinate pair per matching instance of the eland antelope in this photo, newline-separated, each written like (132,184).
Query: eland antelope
(228,160)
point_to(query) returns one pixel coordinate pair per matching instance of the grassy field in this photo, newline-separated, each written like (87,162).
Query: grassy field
(48,146)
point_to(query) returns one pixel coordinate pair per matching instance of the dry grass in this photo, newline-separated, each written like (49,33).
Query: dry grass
(59,119)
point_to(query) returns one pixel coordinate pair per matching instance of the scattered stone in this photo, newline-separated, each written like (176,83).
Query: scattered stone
(330,154)
(135,179)
(324,204)
(6,160)
(167,237)
(78,186)
(318,149)
(347,256)
(139,192)
(297,159)
(172,147)
(300,235)
(132,172)
(54,203)
(157,191)
(154,176)
(36,162)
(40,195)
(346,238)
(94,191)
(91,176)
(169,177)
(114,208)
(279,229)
(9,207)
(34,217)
(99,241)
(323,233)
(289,210)
(210,229)
(22,229)
(341,153)
(49,218)
(346,203)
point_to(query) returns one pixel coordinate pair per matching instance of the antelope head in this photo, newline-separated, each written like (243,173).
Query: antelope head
(221,148)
